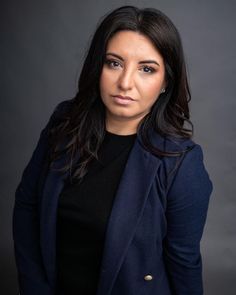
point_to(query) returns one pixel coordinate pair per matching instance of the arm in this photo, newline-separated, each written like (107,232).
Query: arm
(31,276)
(186,213)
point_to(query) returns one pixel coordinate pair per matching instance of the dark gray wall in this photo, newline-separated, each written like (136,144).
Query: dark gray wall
(42,45)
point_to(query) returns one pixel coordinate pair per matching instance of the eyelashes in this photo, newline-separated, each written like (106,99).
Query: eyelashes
(150,69)
(113,64)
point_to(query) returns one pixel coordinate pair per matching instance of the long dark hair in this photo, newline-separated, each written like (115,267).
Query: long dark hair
(84,122)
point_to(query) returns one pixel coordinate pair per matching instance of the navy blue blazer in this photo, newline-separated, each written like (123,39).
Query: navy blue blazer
(152,243)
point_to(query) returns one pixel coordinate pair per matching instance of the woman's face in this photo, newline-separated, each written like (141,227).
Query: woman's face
(134,68)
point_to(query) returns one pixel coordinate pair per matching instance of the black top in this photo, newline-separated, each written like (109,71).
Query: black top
(83,212)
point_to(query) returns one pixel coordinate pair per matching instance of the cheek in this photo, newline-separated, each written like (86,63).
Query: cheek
(105,81)
(106,88)
(151,90)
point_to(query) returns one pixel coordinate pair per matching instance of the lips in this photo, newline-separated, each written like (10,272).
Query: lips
(124,97)
(123,100)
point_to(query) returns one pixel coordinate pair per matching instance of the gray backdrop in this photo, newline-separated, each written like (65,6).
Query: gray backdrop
(42,49)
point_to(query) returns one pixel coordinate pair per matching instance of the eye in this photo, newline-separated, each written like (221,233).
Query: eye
(112,63)
(149,70)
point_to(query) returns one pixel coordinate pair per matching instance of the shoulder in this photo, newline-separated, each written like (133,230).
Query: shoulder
(184,148)
(59,112)
(191,181)
(186,170)
(62,108)
(169,143)
(191,164)
(177,147)
(191,153)
(186,180)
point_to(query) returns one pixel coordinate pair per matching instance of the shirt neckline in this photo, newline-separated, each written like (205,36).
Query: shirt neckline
(121,135)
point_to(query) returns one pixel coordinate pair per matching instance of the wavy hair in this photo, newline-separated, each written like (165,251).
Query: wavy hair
(83,124)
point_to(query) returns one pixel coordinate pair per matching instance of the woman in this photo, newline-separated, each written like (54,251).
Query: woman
(115,197)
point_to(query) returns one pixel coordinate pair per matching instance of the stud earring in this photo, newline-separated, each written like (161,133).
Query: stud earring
(163,90)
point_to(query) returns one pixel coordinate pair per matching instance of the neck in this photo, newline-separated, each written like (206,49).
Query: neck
(122,127)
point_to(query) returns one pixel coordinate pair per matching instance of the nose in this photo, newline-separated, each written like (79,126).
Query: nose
(126,80)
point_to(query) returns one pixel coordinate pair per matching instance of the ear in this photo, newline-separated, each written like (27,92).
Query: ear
(164,86)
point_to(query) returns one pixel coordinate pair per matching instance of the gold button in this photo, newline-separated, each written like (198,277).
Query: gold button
(148,278)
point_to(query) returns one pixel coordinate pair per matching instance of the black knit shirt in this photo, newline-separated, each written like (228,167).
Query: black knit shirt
(83,212)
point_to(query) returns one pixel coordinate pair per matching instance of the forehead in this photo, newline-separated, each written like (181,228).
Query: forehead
(132,44)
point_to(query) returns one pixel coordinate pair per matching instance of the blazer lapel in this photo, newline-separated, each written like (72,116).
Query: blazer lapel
(128,206)
(53,186)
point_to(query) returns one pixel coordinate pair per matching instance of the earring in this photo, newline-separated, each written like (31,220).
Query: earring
(163,90)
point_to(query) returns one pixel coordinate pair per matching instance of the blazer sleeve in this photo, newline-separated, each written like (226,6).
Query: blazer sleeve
(31,276)
(187,205)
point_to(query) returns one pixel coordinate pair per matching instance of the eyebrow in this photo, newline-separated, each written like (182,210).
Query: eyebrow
(149,61)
